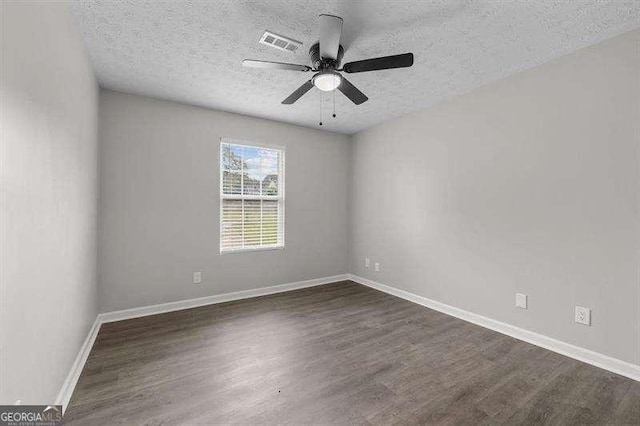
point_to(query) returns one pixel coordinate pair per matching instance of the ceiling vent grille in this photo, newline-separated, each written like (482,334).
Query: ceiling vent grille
(279,42)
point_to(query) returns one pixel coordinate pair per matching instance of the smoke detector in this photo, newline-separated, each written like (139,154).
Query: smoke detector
(279,42)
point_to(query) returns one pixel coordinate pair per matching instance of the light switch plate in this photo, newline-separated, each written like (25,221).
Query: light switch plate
(521,300)
(583,315)
(376,266)
(367,262)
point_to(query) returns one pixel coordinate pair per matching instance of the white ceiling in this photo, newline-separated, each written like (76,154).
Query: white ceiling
(191,51)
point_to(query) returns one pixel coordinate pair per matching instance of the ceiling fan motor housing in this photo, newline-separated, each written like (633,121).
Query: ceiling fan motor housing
(320,63)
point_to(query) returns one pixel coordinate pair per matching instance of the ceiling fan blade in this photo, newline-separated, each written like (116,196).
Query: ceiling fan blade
(330,32)
(384,63)
(352,92)
(252,63)
(298,93)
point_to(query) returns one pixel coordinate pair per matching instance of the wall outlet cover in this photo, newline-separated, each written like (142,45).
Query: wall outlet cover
(583,315)
(197,277)
(367,262)
(521,300)
(376,266)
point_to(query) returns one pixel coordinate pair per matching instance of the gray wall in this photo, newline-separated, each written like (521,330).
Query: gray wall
(159,206)
(49,100)
(527,185)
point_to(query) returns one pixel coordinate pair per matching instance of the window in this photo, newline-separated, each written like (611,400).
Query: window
(251,197)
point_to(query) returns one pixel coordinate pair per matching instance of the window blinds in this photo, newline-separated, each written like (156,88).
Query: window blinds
(251,197)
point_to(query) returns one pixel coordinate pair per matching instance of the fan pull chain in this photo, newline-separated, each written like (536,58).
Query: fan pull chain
(321,108)
(334,103)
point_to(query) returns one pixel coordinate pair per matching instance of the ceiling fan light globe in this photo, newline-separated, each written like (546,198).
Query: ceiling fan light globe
(327,81)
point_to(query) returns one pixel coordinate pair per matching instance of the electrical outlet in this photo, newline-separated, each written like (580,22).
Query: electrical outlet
(583,315)
(376,266)
(367,262)
(197,277)
(521,300)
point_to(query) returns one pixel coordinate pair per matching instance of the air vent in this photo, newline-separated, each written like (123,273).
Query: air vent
(279,42)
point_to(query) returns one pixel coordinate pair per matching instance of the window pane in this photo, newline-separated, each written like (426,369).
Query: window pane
(251,185)
(270,185)
(231,182)
(231,235)
(252,223)
(269,170)
(231,157)
(270,222)
(268,162)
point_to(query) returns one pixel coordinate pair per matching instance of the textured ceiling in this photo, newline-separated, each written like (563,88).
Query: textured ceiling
(191,51)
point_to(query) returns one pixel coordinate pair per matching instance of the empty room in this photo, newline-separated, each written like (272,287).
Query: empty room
(325,212)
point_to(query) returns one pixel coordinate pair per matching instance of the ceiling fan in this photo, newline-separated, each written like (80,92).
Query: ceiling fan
(325,58)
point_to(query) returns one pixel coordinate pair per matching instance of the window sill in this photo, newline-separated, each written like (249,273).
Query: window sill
(250,249)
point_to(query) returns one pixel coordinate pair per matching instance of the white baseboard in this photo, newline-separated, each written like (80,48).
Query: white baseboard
(218,298)
(74,374)
(614,365)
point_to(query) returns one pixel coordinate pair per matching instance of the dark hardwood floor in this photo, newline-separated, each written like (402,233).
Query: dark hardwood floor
(335,354)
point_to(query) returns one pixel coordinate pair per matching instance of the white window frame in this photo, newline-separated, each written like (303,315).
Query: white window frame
(280,197)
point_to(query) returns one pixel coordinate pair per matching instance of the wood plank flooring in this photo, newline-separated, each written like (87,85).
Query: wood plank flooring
(335,354)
